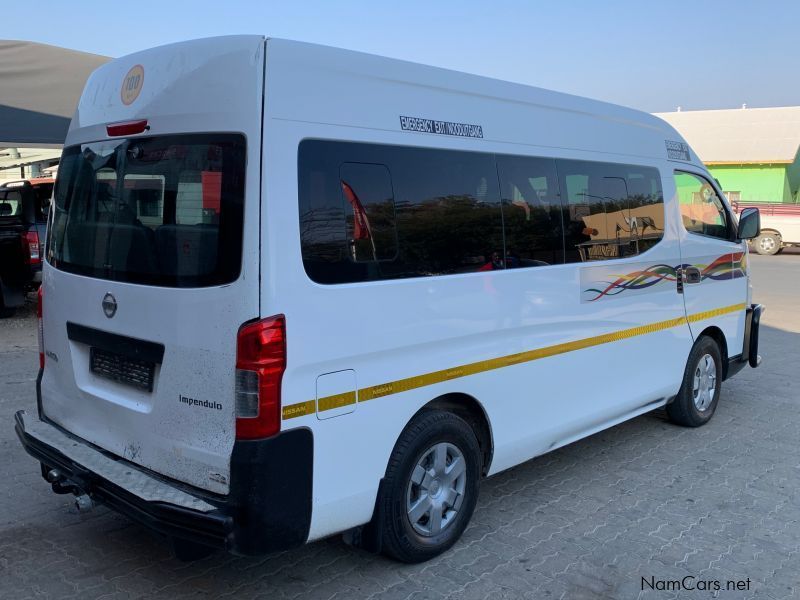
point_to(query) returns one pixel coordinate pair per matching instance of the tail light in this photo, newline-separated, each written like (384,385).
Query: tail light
(39,301)
(30,241)
(260,363)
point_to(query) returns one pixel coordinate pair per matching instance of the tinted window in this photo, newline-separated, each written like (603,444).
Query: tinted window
(161,211)
(612,210)
(702,211)
(42,193)
(427,212)
(646,207)
(19,202)
(369,211)
(531,211)
(10,203)
(448,213)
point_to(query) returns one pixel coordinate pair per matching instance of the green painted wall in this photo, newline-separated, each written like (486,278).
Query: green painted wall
(759,183)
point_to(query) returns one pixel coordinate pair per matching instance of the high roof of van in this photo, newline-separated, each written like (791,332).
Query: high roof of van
(311,83)
(403,71)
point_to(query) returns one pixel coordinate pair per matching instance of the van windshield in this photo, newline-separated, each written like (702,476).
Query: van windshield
(160,211)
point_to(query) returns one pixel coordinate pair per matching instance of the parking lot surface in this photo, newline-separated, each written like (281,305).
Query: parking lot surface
(631,508)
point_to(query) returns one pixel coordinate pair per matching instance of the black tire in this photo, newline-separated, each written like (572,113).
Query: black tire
(767,243)
(425,431)
(683,410)
(5,311)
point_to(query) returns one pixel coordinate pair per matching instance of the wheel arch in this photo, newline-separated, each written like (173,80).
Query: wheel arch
(716,334)
(472,411)
(369,536)
(773,231)
(770,230)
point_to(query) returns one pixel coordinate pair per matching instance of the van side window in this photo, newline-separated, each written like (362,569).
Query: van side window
(531,211)
(611,210)
(702,211)
(448,213)
(371,212)
(425,212)
(323,235)
(646,205)
(595,209)
(368,202)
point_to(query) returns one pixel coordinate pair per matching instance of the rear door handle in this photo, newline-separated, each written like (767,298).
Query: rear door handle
(691,275)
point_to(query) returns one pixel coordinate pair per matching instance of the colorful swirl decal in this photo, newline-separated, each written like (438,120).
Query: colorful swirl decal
(727,266)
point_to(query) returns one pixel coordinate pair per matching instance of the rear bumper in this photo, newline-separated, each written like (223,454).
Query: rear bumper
(749,355)
(268,507)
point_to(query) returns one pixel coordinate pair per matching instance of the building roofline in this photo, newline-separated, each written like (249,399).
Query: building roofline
(713,163)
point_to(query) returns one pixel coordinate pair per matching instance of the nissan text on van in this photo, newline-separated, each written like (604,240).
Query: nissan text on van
(292,291)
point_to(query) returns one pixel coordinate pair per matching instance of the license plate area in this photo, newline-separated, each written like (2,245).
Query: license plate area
(122,369)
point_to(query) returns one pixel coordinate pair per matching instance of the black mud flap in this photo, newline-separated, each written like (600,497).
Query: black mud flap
(11,297)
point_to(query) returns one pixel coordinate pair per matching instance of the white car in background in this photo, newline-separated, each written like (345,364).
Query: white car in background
(780,226)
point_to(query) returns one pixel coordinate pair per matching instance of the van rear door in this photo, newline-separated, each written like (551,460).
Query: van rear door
(153,257)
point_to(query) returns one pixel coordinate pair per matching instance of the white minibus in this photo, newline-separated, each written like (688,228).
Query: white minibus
(292,291)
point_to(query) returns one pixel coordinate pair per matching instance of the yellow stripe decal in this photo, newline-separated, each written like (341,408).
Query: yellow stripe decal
(336,401)
(418,381)
(298,410)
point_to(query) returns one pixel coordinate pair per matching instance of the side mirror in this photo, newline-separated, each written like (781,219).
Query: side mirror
(749,224)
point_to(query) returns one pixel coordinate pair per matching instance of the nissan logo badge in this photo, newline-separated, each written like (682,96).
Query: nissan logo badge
(109,305)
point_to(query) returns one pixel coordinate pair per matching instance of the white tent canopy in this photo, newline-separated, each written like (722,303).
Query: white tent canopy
(39,90)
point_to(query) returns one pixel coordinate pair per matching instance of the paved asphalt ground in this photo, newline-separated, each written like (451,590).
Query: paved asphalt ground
(642,500)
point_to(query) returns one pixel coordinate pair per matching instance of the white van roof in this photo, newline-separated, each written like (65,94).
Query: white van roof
(321,84)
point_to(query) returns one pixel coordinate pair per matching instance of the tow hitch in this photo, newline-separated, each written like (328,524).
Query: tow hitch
(61,485)
(84,503)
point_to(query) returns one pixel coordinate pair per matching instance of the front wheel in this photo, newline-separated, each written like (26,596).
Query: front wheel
(430,488)
(699,394)
(768,243)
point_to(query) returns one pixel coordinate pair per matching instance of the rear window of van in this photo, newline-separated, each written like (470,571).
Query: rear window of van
(161,211)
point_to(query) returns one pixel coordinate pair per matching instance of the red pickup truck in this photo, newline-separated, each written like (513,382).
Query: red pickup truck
(780,226)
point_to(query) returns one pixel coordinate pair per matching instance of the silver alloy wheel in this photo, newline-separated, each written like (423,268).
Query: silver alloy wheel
(705,382)
(767,243)
(436,489)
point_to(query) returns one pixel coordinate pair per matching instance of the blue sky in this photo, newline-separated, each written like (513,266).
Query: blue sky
(649,55)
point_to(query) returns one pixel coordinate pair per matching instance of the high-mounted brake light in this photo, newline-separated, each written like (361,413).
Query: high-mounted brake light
(39,301)
(30,241)
(260,363)
(127,128)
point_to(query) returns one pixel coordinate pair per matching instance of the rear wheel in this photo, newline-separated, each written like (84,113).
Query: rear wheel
(5,311)
(699,394)
(768,242)
(430,488)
